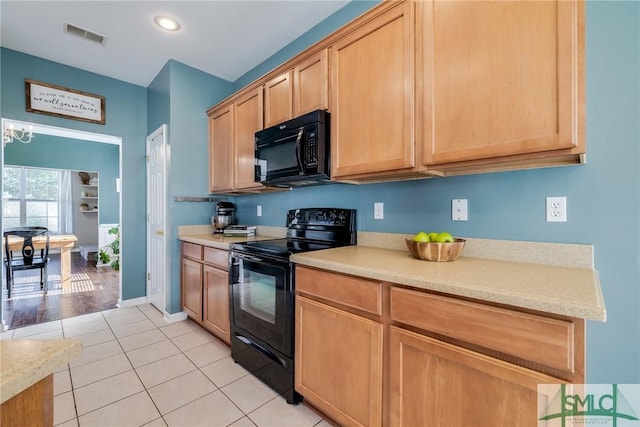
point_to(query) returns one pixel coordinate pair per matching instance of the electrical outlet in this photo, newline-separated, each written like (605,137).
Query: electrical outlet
(378,210)
(459,210)
(557,209)
(259,210)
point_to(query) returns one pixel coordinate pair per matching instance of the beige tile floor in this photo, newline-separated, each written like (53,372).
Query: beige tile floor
(138,370)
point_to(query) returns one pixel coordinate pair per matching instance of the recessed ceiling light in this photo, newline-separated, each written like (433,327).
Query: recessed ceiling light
(166,23)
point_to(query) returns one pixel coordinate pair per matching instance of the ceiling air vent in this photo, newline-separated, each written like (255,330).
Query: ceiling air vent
(84,33)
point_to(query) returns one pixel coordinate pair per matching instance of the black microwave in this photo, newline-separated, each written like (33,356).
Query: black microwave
(294,153)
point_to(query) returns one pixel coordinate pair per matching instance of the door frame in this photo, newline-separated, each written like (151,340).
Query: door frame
(162,129)
(75,134)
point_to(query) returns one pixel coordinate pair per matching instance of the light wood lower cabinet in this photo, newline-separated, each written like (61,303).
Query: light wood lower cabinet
(192,288)
(433,383)
(32,407)
(339,363)
(216,302)
(205,288)
(371,353)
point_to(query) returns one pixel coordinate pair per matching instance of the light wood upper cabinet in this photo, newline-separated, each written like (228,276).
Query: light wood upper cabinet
(372,96)
(248,115)
(436,383)
(311,84)
(221,148)
(232,129)
(278,99)
(297,91)
(500,78)
(438,87)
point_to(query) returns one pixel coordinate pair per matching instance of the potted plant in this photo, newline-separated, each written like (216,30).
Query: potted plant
(110,253)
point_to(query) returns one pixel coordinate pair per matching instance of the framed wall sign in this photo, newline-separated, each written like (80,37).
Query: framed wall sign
(45,98)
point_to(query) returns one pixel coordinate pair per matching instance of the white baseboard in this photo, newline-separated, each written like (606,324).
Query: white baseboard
(175,317)
(132,302)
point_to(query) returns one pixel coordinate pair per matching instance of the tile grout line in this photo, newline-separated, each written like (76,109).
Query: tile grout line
(147,315)
(111,376)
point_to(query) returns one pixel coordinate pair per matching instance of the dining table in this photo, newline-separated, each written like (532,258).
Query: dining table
(64,242)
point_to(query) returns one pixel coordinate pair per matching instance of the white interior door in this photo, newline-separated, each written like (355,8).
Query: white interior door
(157,265)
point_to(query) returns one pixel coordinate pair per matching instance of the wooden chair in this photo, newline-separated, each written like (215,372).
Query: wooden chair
(28,258)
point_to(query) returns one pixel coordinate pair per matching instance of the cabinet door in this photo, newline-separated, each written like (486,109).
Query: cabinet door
(311,84)
(500,78)
(221,149)
(278,100)
(436,383)
(372,97)
(338,363)
(192,288)
(216,302)
(248,120)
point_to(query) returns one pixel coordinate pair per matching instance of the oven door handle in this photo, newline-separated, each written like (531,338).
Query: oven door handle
(247,257)
(262,350)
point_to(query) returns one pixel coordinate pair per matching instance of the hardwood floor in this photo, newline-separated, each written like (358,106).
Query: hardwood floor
(92,289)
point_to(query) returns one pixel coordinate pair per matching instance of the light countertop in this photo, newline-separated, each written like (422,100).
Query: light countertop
(555,278)
(25,362)
(563,290)
(203,235)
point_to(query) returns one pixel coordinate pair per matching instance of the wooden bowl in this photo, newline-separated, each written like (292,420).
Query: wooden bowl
(433,251)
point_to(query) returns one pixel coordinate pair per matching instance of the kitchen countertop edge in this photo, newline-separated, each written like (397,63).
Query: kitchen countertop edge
(218,241)
(25,362)
(567,291)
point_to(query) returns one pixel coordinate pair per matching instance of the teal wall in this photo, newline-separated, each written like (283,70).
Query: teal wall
(126,117)
(47,151)
(180,96)
(315,34)
(602,196)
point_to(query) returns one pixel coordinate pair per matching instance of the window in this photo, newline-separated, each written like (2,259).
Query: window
(30,197)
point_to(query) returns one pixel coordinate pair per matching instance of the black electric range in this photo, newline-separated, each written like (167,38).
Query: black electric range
(262,286)
(308,229)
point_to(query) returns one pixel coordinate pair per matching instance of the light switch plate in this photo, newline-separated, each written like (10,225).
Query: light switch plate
(459,210)
(259,210)
(378,210)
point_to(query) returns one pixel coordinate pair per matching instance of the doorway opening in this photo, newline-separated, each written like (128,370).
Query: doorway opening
(90,288)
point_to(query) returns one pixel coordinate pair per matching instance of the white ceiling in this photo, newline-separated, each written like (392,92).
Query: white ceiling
(223,38)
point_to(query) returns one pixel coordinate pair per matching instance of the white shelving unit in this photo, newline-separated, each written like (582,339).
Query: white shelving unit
(85,220)
(89,194)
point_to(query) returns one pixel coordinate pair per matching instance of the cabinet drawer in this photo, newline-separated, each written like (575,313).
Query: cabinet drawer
(192,250)
(351,291)
(217,257)
(543,340)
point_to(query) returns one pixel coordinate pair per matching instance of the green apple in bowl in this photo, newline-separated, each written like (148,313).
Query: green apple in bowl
(444,237)
(432,236)
(421,237)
